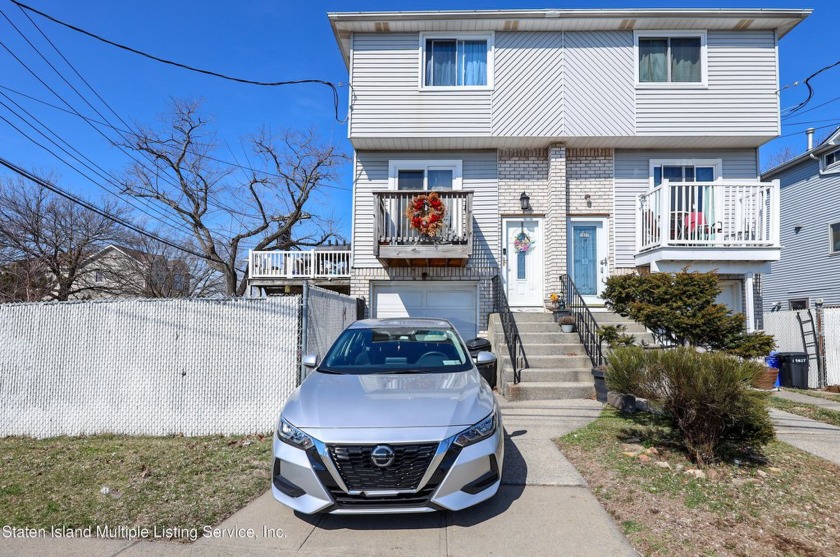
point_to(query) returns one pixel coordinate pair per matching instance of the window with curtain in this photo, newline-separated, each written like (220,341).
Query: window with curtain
(670,60)
(700,199)
(456,63)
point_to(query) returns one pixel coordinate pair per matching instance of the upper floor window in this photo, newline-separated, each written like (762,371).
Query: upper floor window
(671,57)
(831,159)
(425,175)
(457,61)
(683,173)
(98,277)
(834,235)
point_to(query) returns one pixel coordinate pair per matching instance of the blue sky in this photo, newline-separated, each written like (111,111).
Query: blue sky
(264,40)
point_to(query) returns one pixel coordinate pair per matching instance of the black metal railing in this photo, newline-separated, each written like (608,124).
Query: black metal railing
(585,323)
(514,342)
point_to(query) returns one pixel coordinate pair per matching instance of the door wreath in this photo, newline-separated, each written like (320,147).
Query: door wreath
(425,214)
(522,242)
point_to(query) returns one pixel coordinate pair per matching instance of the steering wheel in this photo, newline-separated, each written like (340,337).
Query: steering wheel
(440,355)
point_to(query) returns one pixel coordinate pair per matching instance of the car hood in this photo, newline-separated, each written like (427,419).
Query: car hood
(327,401)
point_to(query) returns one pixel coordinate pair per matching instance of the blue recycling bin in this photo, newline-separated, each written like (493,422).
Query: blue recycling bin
(773,361)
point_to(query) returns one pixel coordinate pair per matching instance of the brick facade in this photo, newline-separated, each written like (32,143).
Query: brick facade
(590,173)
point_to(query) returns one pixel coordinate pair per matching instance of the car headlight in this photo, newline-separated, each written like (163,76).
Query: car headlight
(480,431)
(288,433)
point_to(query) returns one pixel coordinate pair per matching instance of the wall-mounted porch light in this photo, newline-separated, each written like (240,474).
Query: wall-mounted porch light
(525,202)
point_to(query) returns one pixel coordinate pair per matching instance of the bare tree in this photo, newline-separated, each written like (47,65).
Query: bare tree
(223,209)
(46,239)
(780,156)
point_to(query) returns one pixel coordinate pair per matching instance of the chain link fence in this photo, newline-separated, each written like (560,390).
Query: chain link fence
(146,367)
(325,315)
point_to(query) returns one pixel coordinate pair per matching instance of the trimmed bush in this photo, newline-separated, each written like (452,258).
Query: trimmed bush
(707,396)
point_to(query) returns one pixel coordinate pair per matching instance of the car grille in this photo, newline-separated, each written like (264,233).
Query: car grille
(359,473)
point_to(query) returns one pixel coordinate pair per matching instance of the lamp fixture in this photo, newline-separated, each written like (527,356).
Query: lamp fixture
(525,202)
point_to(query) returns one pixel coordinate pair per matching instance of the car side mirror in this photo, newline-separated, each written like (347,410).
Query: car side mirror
(484,358)
(311,361)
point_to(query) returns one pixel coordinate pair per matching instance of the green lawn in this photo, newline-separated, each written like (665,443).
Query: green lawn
(163,482)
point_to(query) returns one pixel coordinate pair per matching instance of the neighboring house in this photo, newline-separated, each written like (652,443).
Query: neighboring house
(119,271)
(810,229)
(580,142)
(278,272)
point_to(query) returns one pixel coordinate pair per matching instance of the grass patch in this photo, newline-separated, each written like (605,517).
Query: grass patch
(162,482)
(782,502)
(834,397)
(824,415)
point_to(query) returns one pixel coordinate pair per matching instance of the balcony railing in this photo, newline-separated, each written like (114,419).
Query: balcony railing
(721,214)
(395,238)
(299,264)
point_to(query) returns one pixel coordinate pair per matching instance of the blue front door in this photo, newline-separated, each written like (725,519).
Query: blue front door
(584,256)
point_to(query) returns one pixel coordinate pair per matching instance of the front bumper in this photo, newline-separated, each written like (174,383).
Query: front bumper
(457,478)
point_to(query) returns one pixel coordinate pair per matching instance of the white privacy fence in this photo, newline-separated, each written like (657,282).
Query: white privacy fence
(784,326)
(831,330)
(151,367)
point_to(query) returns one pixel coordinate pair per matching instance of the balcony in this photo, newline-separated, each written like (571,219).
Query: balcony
(731,226)
(398,244)
(290,268)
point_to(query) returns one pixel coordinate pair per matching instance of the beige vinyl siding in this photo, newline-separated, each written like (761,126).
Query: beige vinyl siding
(740,98)
(479,174)
(387,102)
(599,74)
(528,100)
(632,178)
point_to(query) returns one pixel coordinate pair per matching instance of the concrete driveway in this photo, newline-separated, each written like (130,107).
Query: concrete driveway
(543,507)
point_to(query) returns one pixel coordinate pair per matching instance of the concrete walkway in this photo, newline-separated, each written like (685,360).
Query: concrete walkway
(806,399)
(543,507)
(811,436)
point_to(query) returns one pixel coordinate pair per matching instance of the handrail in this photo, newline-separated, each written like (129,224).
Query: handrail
(585,323)
(512,338)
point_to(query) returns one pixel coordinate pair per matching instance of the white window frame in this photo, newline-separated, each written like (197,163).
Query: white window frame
(704,58)
(831,250)
(489,37)
(394,166)
(717,163)
(833,168)
(791,300)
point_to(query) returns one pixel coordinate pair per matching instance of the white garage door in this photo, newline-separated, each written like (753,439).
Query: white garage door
(455,301)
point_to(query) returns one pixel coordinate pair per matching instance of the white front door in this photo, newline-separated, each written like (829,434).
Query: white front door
(524,262)
(588,257)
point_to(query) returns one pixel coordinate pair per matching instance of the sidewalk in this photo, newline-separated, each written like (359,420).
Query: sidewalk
(805,399)
(543,507)
(811,436)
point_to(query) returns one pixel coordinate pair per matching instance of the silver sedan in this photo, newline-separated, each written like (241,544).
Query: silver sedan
(396,418)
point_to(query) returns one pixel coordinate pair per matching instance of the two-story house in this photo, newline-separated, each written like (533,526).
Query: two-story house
(512,147)
(810,228)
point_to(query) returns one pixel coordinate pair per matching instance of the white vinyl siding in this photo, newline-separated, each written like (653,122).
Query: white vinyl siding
(599,77)
(387,101)
(806,268)
(478,174)
(632,178)
(740,98)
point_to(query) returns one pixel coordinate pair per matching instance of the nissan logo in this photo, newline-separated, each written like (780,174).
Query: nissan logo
(382,456)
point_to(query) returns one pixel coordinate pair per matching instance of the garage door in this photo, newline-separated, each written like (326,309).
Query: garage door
(455,301)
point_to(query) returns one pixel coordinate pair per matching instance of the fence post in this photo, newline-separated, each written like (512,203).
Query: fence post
(304,324)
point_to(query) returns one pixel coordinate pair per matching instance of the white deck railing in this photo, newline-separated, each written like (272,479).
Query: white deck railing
(299,264)
(709,214)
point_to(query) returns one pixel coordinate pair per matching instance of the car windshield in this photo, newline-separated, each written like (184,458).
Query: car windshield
(396,350)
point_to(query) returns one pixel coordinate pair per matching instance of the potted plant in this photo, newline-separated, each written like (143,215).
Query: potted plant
(567,323)
(558,307)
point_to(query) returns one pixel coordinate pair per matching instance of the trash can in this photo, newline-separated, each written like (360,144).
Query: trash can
(488,371)
(793,368)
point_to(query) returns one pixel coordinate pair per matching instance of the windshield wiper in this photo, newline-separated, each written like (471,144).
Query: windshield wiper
(330,371)
(404,372)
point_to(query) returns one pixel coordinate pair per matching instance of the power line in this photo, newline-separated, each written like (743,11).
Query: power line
(123,131)
(91,207)
(834,125)
(331,85)
(807,83)
(835,99)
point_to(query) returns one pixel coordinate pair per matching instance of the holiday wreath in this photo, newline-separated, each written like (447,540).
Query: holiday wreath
(425,213)
(522,242)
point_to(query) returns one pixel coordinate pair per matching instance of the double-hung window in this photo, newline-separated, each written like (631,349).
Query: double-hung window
(451,61)
(834,238)
(670,58)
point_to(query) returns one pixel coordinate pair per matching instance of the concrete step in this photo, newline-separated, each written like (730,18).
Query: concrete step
(552,349)
(549,390)
(554,336)
(630,326)
(608,317)
(532,317)
(580,361)
(549,375)
(537,326)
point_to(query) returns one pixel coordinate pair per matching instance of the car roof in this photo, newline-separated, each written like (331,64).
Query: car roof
(402,322)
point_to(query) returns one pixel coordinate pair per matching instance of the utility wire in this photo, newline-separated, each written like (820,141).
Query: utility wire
(807,83)
(834,125)
(835,99)
(331,85)
(91,207)
(124,131)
